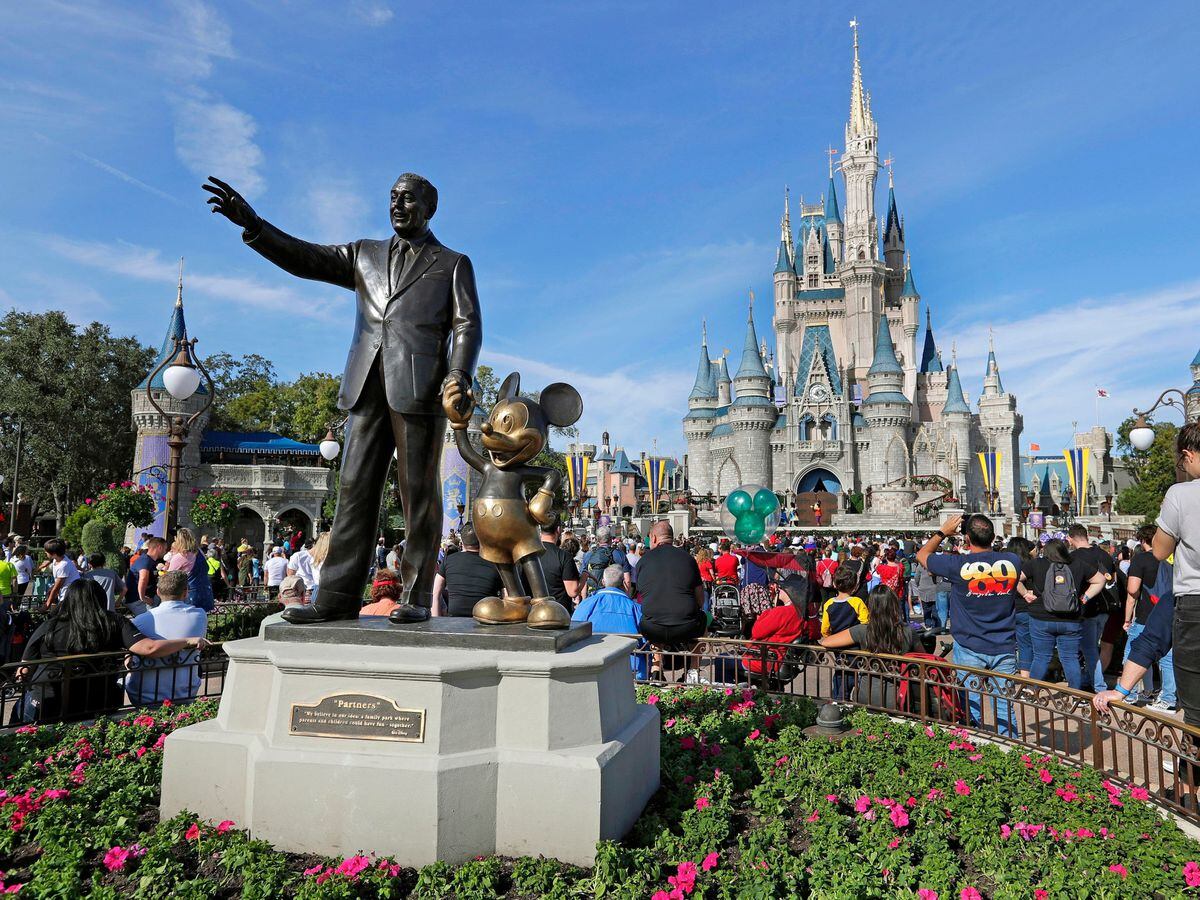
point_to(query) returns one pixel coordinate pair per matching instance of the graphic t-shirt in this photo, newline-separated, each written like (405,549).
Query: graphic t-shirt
(982,611)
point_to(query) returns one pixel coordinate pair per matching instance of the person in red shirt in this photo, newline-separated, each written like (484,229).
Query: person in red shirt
(826,567)
(705,562)
(891,573)
(725,566)
(781,624)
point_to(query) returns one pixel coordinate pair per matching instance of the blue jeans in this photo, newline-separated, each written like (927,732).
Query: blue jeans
(1093,672)
(1004,663)
(1024,642)
(1166,667)
(1064,635)
(943,609)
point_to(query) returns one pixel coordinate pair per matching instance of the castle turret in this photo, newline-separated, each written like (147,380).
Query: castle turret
(887,411)
(786,284)
(698,423)
(893,232)
(151,451)
(1000,429)
(957,416)
(724,383)
(860,166)
(931,360)
(833,217)
(752,414)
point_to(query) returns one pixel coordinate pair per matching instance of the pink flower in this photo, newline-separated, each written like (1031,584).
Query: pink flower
(353,866)
(975,757)
(710,862)
(1039,894)
(314,870)
(652,699)
(813,817)
(1005,832)
(938,764)
(1045,776)
(137,851)
(929,732)
(934,794)
(893,843)
(668,723)
(898,816)
(862,804)
(962,789)
(752,735)
(1191,874)
(115,859)
(1138,793)
(782,761)
(192,833)
(926,894)
(832,798)
(661,895)
(969,893)
(684,878)
(702,803)
(687,742)
(224,826)
(1119,869)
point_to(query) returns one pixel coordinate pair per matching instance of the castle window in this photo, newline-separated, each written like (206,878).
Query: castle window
(812,281)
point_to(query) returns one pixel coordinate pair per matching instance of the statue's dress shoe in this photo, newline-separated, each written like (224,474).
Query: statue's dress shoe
(406,614)
(307,615)
(547,614)
(497,611)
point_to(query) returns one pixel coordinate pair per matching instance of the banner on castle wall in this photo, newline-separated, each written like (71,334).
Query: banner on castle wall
(577,473)
(989,463)
(1077,473)
(655,470)
(155,452)
(456,489)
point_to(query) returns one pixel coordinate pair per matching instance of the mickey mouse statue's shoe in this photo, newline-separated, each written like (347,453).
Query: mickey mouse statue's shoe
(548,615)
(498,611)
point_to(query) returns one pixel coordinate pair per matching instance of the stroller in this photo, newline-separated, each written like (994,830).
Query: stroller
(726,610)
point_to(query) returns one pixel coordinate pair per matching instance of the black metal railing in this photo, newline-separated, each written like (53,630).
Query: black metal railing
(1133,745)
(71,688)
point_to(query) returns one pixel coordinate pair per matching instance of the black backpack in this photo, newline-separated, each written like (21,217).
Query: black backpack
(600,559)
(1059,595)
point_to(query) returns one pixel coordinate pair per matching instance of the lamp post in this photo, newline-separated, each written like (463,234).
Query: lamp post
(9,419)
(1141,436)
(181,376)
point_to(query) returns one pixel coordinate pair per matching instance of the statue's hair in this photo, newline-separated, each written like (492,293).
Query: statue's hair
(426,187)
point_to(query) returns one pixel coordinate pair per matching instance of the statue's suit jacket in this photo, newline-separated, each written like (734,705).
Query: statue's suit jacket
(419,320)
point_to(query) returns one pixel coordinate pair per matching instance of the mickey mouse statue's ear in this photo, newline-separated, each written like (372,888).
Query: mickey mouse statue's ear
(561,403)
(511,386)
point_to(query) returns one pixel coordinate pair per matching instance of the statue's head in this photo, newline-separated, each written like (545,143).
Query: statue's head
(414,201)
(518,427)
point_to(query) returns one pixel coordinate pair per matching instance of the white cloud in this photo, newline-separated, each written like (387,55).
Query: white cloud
(214,138)
(147,264)
(372,13)
(204,34)
(634,404)
(1133,345)
(337,209)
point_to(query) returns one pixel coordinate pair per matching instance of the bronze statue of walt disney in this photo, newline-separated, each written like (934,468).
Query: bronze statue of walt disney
(507,524)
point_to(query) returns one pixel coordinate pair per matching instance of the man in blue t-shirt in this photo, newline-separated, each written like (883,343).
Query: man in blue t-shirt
(982,607)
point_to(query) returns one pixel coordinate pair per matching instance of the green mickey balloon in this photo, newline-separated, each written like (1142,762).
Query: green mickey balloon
(765,503)
(749,528)
(739,503)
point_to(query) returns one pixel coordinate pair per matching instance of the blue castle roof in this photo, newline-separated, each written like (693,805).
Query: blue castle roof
(930,361)
(705,387)
(832,214)
(885,361)
(893,217)
(910,288)
(752,364)
(817,340)
(783,262)
(955,401)
(176,329)
(622,466)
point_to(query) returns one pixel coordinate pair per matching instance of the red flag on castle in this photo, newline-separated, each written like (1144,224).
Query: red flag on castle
(1101,393)
(1034,448)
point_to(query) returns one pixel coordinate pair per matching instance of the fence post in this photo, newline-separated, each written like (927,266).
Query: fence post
(1097,745)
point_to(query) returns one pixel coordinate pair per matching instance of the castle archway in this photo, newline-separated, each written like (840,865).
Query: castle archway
(819,480)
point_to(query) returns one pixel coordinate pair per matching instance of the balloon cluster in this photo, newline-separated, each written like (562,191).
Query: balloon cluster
(750,513)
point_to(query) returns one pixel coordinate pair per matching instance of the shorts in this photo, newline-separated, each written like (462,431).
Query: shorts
(669,635)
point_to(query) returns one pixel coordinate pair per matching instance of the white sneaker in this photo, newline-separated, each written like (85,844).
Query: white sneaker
(1160,706)
(694,677)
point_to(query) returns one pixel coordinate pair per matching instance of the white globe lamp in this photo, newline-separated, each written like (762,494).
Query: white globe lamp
(181,381)
(330,448)
(1141,436)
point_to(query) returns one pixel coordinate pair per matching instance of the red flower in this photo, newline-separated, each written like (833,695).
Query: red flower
(702,803)
(710,862)
(1119,869)
(224,826)
(193,833)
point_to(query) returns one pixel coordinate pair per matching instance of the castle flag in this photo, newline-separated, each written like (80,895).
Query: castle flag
(1077,473)
(989,463)
(577,471)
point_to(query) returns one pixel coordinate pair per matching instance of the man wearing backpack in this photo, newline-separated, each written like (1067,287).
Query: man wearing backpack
(826,567)
(605,553)
(1095,613)
(1057,587)
(1141,601)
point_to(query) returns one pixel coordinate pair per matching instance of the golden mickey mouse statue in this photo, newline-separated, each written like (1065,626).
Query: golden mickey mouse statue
(508,527)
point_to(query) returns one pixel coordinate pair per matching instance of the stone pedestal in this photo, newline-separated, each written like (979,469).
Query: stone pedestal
(442,742)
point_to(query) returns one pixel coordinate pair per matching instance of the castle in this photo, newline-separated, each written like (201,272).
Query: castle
(847,402)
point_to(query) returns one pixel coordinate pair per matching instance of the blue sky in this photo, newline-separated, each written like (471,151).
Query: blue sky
(616,171)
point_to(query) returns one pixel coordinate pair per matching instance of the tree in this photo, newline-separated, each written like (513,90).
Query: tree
(234,378)
(1153,470)
(251,398)
(70,387)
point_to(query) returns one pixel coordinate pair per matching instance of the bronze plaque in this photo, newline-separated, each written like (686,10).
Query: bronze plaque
(364,717)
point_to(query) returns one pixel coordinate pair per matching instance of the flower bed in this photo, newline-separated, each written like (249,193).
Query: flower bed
(749,808)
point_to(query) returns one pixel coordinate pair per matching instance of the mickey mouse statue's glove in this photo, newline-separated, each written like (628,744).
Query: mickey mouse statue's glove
(541,507)
(458,400)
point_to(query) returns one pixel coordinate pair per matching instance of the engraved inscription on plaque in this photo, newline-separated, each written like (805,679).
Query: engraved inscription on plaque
(364,717)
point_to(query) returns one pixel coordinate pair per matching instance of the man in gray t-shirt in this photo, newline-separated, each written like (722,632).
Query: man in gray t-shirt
(1179,534)
(113,584)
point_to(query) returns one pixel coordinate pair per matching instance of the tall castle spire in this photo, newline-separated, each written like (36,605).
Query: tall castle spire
(992,386)
(860,100)
(785,259)
(931,361)
(705,387)
(751,365)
